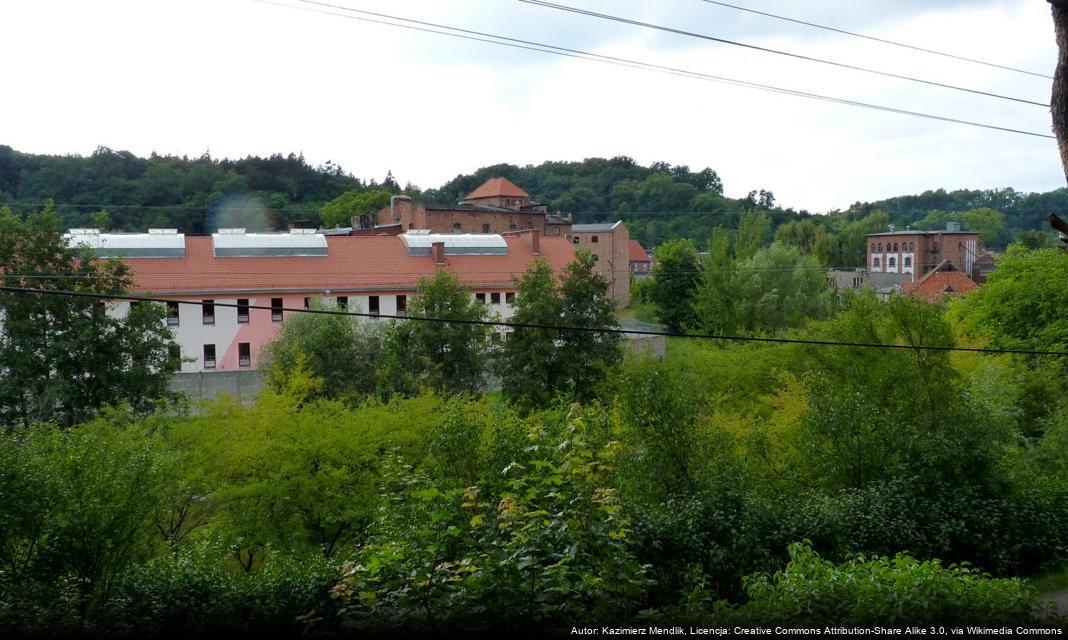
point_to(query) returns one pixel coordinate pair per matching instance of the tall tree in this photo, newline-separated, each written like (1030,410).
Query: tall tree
(539,364)
(446,356)
(63,358)
(586,305)
(676,276)
(1059,97)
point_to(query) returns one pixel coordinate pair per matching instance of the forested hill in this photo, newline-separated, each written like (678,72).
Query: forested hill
(659,202)
(195,195)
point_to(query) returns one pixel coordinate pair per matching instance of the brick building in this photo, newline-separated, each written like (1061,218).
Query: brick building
(916,253)
(610,242)
(497,206)
(640,262)
(945,280)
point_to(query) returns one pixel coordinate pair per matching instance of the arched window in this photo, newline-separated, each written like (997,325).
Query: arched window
(873,247)
(880,247)
(891,262)
(908,261)
(875,262)
(895,247)
(912,246)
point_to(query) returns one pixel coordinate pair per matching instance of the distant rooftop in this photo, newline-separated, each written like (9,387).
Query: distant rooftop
(600,226)
(495,187)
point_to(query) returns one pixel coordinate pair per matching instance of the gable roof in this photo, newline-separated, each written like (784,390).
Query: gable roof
(943,280)
(353,263)
(637,253)
(497,187)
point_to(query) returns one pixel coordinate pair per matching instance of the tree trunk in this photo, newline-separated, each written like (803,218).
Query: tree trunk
(1059,97)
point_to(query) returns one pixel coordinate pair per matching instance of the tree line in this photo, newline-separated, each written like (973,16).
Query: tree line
(659,202)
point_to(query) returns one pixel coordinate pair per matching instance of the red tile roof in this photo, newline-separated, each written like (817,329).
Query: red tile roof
(938,284)
(497,187)
(353,263)
(637,253)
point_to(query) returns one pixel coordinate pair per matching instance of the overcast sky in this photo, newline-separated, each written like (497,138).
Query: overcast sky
(238,78)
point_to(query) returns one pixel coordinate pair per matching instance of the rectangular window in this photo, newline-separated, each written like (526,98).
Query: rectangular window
(343,303)
(495,297)
(244,354)
(485,228)
(207,309)
(481,297)
(209,356)
(593,239)
(172,314)
(307,303)
(242,310)
(402,305)
(276,309)
(510,297)
(372,305)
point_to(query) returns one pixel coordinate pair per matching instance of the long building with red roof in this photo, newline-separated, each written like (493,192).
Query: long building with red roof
(367,274)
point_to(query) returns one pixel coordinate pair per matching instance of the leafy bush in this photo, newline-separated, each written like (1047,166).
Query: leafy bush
(881,590)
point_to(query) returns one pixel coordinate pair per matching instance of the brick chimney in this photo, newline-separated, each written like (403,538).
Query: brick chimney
(437,250)
(535,241)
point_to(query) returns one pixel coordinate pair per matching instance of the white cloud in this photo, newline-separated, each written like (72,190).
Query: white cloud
(240,78)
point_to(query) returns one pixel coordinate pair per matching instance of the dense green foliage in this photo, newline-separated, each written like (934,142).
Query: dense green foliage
(431,354)
(374,486)
(343,352)
(567,364)
(64,357)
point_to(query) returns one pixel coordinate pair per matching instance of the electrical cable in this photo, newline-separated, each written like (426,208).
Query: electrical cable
(789,54)
(882,40)
(549,327)
(585,55)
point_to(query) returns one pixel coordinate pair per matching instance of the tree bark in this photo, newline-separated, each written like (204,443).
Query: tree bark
(1059,97)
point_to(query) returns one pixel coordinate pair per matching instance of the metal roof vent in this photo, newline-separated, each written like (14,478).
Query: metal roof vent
(129,245)
(456,244)
(250,245)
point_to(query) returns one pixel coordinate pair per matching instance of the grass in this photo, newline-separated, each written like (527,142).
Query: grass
(1056,580)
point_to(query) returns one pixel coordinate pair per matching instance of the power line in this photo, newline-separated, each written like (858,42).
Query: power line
(882,40)
(624,62)
(779,52)
(549,327)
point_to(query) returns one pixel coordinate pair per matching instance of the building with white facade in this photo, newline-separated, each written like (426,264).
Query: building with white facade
(376,275)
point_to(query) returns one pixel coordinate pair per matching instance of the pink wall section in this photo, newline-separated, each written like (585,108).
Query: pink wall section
(257,332)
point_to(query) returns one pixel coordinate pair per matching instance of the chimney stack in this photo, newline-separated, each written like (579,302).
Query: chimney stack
(535,241)
(437,250)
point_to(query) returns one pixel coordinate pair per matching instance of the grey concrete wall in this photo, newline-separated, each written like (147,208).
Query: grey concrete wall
(209,385)
(651,346)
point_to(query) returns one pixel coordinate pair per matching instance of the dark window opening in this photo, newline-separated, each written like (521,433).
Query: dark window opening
(372,305)
(485,228)
(456,227)
(481,297)
(593,239)
(307,303)
(343,303)
(208,311)
(242,310)
(276,309)
(209,356)
(172,314)
(495,297)
(908,261)
(891,263)
(244,354)
(510,297)
(511,227)
(402,305)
